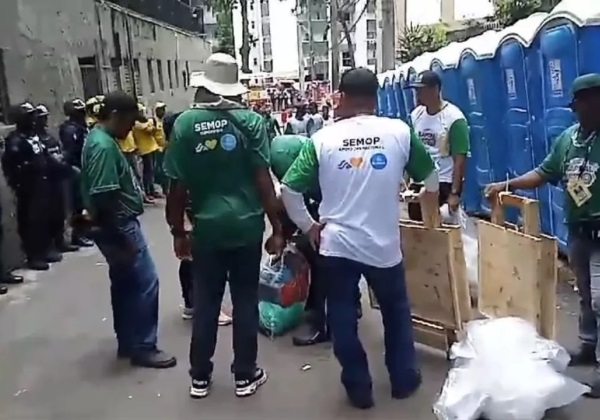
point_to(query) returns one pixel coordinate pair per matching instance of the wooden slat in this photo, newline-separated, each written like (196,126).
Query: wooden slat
(548,277)
(508,273)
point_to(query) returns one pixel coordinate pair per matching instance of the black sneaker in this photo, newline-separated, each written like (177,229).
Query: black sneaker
(38,265)
(155,359)
(3,290)
(585,355)
(53,257)
(248,387)
(200,388)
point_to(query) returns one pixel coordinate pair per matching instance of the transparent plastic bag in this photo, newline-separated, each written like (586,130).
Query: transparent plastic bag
(468,232)
(503,370)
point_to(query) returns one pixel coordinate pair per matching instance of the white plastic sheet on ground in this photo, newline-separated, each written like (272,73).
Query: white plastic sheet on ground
(503,370)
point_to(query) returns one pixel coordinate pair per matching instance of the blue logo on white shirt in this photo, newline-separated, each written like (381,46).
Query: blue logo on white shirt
(228,142)
(378,161)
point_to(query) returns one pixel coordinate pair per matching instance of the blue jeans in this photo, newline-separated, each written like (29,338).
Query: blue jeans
(133,289)
(342,277)
(584,259)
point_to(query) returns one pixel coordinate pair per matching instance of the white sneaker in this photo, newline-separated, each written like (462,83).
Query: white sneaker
(186,313)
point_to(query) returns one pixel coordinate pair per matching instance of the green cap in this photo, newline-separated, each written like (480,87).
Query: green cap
(587,81)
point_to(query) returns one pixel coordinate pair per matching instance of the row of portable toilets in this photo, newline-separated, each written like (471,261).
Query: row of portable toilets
(514,87)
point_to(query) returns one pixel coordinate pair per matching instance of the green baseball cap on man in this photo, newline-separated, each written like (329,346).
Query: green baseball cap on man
(585,82)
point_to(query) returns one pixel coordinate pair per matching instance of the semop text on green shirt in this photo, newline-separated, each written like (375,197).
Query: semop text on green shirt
(105,169)
(566,161)
(215,154)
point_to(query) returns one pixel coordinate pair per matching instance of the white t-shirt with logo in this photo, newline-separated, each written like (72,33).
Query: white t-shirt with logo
(434,131)
(359,163)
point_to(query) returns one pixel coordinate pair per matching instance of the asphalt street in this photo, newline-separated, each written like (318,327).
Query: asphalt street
(57,357)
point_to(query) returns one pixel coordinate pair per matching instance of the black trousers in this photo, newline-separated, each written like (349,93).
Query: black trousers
(148,172)
(414,209)
(33,220)
(57,211)
(212,269)
(185,280)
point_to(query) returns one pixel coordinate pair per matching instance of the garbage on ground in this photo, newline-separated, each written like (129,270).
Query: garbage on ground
(503,370)
(282,292)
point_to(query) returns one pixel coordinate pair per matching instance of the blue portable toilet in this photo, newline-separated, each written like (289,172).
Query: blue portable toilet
(381,96)
(407,94)
(517,71)
(399,97)
(391,108)
(566,47)
(481,82)
(445,64)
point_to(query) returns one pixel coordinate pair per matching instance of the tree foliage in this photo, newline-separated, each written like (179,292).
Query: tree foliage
(416,40)
(509,12)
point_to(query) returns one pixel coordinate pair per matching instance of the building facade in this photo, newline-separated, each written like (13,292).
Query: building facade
(55,50)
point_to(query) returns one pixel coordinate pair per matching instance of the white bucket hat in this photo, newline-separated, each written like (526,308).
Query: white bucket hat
(220,76)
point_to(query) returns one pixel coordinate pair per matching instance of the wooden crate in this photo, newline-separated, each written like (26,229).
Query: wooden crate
(517,268)
(436,280)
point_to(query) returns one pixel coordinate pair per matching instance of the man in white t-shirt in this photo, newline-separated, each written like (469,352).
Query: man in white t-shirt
(444,130)
(359,162)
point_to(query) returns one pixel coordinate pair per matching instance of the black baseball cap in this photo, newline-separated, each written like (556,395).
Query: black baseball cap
(426,78)
(359,82)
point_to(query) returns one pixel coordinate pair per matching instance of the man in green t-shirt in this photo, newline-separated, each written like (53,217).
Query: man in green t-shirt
(272,125)
(219,155)
(574,161)
(113,197)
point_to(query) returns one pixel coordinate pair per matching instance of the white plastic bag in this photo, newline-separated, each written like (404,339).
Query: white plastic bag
(503,370)
(468,232)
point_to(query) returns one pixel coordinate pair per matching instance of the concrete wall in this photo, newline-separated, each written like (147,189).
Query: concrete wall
(42,42)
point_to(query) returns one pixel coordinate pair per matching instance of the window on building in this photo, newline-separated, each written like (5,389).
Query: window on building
(137,77)
(264,8)
(253,25)
(89,76)
(371,61)
(268,66)
(3,90)
(170,73)
(267,48)
(251,5)
(346,60)
(371,29)
(371,7)
(161,78)
(176,73)
(151,75)
(255,61)
(184,76)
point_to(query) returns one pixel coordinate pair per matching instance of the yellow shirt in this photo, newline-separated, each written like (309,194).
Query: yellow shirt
(159,134)
(143,133)
(127,145)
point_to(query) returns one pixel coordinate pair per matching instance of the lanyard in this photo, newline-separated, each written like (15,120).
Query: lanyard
(589,144)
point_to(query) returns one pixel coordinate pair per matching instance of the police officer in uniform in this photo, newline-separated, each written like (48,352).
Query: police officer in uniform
(58,172)
(25,166)
(72,134)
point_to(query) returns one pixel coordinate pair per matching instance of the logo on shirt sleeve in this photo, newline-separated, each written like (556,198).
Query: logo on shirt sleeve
(379,161)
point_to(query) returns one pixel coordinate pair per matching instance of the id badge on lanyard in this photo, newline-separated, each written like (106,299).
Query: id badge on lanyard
(577,189)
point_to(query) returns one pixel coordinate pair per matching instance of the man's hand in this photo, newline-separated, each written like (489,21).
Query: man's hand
(453,202)
(314,234)
(275,244)
(182,247)
(494,189)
